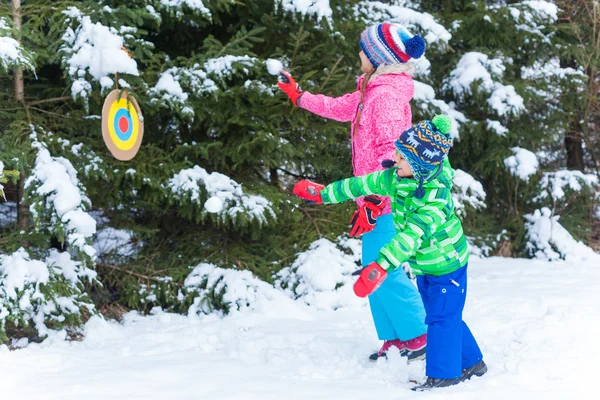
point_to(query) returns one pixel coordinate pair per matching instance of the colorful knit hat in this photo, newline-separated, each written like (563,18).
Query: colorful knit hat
(389,44)
(424,146)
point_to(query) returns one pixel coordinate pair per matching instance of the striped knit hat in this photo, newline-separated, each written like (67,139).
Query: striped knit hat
(424,146)
(386,44)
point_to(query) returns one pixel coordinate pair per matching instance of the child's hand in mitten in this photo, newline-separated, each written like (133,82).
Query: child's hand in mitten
(308,190)
(289,86)
(364,218)
(371,277)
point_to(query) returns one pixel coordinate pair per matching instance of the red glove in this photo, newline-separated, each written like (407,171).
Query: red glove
(371,277)
(289,86)
(308,190)
(363,219)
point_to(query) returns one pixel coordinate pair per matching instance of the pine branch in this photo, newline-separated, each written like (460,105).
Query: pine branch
(146,277)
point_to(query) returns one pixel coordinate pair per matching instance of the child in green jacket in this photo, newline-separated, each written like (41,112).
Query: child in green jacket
(429,237)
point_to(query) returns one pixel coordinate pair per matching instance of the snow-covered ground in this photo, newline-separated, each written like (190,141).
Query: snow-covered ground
(538,324)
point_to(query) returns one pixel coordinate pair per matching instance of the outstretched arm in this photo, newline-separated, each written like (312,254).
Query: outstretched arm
(378,182)
(338,108)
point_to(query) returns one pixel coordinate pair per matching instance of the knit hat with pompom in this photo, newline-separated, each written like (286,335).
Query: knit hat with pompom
(387,44)
(424,146)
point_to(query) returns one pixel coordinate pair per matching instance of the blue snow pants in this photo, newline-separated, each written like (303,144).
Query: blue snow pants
(451,346)
(397,308)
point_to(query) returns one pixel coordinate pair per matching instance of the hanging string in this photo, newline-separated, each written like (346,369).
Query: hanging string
(116,73)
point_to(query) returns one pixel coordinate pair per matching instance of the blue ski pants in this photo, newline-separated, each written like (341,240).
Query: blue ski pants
(451,346)
(397,308)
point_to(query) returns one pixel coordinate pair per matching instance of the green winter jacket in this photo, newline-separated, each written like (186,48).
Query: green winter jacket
(429,234)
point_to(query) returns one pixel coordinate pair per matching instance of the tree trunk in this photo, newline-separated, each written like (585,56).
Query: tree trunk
(574,147)
(22,205)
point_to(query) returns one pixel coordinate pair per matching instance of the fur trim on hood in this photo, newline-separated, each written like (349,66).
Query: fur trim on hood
(406,68)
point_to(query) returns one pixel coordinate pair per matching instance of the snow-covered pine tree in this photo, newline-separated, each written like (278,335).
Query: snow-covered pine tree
(505,73)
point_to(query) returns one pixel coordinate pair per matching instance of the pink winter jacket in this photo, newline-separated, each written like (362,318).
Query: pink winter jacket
(385,115)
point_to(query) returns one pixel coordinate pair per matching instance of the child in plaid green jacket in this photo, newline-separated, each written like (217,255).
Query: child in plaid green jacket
(429,237)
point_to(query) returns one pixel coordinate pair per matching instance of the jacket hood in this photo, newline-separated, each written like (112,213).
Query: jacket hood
(396,76)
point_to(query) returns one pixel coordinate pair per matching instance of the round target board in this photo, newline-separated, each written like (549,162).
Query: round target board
(122,125)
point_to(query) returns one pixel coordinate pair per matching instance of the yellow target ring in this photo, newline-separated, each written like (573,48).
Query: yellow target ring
(122,125)
(115,107)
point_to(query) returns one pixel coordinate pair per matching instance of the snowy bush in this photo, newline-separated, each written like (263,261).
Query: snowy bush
(556,185)
(223,291)
(44,295)
(475,67)
(426,100)
(466,191)
(548,240)
(321,276)
(92,52)
(220,195)
(58,200)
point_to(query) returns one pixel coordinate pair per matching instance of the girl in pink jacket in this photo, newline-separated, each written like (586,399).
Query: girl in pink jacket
(379,111)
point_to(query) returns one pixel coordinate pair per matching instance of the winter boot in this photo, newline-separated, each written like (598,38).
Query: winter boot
(413,349)
(478,369)
(416,348)
(387,344)
(432,383)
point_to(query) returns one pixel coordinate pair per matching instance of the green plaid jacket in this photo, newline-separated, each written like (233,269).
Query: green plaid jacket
(429,234)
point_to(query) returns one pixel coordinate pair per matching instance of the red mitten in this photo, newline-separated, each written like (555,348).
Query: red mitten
(371,277)
(364,218)
(289,86)
(308,190)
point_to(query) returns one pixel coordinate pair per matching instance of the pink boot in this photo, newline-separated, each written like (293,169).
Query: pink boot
(416,348)
(413,349)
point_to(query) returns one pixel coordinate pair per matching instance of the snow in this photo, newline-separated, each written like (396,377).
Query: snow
(176,85)
(8,212)
(17,270)
(375,12)
(55,179)
(194,5)
(549,69)
(214,205)
(496,127)
(11,51)
(111,243)
(323,286)
(223,66)
(478,67)
(541,10)
(535,321)
(467,190)
(168,84)
(523,163)
(240,290)
(23,292)
(555,183)
(274,66)
(549,240)
(424,96)
(319,8)
(97,49)
(152,11)
(186,185)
